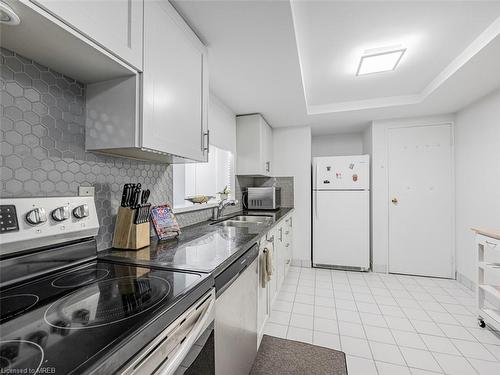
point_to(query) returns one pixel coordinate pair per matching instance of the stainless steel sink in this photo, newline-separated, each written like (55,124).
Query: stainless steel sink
(253,219)
(233,223)
(246,221)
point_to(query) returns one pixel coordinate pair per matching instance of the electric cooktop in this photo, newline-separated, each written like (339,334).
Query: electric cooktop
(86,313)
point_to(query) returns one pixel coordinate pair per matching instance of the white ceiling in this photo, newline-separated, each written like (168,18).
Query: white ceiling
(296,63)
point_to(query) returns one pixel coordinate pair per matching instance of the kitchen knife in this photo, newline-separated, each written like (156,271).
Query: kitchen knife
(124,196)
(137,193)
(145,196)
(130,192)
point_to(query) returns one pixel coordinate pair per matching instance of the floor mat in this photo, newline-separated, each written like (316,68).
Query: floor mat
(278,356)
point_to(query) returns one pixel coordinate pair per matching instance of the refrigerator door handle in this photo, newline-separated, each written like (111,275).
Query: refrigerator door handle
(316,177)
(316,203)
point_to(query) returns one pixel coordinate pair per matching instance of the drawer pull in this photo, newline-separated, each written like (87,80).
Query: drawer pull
(491,243)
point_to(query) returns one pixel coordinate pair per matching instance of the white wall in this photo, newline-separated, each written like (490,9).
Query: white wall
(367,149)
(337,144)
(379,187)
(292,157)
(477,174)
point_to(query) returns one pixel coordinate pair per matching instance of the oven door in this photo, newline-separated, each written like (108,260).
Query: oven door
(185,347)
(200,359)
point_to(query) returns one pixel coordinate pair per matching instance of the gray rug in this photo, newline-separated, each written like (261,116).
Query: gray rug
(280,356)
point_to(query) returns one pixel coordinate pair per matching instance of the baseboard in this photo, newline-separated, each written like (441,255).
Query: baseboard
(380,268)
(301,263)
(465,281)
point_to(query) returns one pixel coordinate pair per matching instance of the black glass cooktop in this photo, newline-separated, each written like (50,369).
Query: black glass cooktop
(63,323)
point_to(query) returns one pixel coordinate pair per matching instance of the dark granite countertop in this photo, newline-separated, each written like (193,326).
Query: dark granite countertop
(202,247)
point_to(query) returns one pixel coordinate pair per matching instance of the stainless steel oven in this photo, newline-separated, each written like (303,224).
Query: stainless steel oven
(187,346)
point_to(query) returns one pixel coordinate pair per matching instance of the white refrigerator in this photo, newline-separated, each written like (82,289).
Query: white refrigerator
(341,212)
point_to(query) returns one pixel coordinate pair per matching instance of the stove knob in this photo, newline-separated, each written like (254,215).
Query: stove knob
(36,216)
(61,213)
(81,211)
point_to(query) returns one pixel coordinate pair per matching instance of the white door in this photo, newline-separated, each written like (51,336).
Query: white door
(420,200)
(341,227)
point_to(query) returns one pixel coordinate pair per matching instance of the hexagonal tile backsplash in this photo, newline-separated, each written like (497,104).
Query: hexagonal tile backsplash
(42,134)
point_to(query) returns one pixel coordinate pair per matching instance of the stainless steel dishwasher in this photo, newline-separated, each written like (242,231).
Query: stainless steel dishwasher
(236,315)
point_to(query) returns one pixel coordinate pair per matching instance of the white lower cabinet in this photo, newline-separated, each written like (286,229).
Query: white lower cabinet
(281,236)
(263,295)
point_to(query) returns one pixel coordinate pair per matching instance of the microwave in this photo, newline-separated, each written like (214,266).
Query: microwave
(263,198)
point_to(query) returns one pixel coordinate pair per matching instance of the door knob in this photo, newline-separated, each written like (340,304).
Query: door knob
(395,200)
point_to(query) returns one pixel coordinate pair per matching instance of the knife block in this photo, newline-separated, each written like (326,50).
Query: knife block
(127,234)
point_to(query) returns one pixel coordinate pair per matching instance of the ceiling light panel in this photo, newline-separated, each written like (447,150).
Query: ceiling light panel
(380,62)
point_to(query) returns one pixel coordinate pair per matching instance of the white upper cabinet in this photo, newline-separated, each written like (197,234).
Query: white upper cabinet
(116,25)
(175,84)
(160,114)
(254,139)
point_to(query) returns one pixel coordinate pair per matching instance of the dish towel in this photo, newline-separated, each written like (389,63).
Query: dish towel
(267,265)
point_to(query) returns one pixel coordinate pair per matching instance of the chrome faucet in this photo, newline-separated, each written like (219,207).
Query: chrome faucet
(217,211)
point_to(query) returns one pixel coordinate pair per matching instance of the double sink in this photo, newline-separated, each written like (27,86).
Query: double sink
(242,221)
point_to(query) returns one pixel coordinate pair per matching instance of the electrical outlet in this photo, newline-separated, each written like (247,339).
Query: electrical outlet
(86,191)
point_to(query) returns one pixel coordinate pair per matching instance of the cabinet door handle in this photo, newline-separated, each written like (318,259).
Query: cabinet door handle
(287,232)
(491,244)
(268,166)
(207,147)
(281,234)
(287,245)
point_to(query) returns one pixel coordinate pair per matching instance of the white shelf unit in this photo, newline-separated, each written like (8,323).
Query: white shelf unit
(488,295)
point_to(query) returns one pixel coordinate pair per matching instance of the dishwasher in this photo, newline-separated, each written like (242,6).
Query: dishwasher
(236,315)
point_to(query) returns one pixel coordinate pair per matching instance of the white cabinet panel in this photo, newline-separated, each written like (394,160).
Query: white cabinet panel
(174,85)
(116,25)
(254,139)
(263,304)
(267,149)
(288,243)
(162,115)
(272,285)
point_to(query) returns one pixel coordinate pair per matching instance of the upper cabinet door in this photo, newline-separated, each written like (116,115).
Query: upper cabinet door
(254,146)
(267,148)
(175,85)
(114,24)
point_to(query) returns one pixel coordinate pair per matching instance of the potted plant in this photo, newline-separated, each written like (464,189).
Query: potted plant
(224,194)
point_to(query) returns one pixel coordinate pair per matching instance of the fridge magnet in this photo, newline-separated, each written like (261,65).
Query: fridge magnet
(351,166)
(355,177)
(338,175)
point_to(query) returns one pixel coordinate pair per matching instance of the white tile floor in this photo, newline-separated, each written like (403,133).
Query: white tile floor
(386,324)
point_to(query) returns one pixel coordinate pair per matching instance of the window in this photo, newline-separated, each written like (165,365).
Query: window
(204,178)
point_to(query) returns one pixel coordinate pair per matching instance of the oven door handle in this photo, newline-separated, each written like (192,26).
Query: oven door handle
(173,363)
